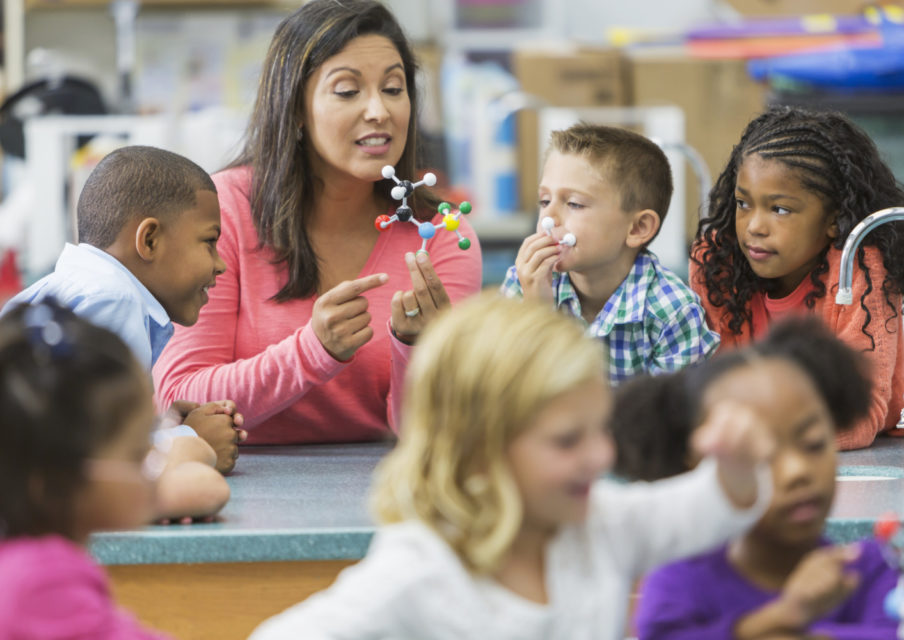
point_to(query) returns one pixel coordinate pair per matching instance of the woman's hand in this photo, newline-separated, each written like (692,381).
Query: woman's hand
(413,309)
(534,263)
(340,319)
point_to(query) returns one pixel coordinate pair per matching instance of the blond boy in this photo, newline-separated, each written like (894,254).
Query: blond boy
(610,188)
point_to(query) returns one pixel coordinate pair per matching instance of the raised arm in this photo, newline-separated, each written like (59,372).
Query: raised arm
(200,363)
(449,275)
(654,523)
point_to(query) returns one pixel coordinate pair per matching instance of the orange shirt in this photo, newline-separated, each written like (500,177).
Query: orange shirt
(886,359)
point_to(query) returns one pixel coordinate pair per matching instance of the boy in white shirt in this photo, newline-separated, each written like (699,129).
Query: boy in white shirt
(148,223)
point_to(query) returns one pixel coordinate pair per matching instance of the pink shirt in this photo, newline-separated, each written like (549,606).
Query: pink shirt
(51,589)
(265,356)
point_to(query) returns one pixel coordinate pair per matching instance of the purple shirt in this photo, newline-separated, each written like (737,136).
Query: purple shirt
(704,597)
(52,589)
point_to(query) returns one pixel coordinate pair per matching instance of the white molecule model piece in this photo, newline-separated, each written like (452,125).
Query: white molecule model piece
(403,212)
(548,224)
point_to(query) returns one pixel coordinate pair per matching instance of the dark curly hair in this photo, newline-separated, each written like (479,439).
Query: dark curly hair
(67,388)
(653,417)
(834,159)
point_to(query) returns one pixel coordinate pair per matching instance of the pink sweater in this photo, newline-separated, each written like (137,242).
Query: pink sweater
(265,355)
(51,589)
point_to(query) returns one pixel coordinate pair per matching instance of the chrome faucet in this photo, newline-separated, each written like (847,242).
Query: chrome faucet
(698,164)
(846,269)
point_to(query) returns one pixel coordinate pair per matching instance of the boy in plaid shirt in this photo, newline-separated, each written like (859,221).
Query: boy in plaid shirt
(610,188)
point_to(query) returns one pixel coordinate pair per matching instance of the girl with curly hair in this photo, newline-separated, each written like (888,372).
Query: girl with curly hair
(793,188)
(782,578)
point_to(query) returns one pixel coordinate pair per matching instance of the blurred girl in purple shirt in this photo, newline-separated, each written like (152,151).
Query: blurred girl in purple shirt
(782,579)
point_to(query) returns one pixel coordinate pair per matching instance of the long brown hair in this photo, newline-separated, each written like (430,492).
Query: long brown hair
(282,182)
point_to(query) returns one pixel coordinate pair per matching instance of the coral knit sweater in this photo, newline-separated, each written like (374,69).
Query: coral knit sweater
(264,355)
(886,359)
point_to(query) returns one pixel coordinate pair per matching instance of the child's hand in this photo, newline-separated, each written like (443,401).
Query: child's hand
(181,408)
(740,441)
(190,491)
(534,262)
(818,584)
(219,424)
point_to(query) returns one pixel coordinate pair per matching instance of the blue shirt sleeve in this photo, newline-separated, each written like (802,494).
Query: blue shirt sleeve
(123,316)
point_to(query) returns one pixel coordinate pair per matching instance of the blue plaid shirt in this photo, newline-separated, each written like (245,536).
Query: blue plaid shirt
(652,323)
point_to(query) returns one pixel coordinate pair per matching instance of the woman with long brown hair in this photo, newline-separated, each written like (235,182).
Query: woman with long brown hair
(310,327)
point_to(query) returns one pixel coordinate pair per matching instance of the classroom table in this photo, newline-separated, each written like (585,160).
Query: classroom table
(298,515)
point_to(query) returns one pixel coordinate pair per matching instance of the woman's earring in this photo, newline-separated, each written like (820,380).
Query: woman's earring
(300,135)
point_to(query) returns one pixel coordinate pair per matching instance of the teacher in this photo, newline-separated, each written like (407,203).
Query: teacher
(309,329)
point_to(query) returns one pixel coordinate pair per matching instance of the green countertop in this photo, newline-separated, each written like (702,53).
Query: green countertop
(288,503)
(310,503)
(870,485)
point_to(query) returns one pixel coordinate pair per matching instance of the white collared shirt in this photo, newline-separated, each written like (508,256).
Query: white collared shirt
(100,289)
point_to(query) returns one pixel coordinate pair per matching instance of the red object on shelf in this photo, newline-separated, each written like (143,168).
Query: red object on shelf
(764,47)
(886,527)
(10,278)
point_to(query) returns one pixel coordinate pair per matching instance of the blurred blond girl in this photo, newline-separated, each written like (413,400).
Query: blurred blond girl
(495,521)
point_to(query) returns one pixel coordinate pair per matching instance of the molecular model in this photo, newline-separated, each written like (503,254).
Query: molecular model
(888,531)
(548,223)
(403,213)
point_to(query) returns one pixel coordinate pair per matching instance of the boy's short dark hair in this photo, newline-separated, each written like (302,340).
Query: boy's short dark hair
(136,181)
(634,164)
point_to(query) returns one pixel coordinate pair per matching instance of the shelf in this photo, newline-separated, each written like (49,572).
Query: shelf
(182,4)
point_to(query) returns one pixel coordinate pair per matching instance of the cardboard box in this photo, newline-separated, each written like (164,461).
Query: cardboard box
(429,59)
(797,7)
(562,78)
(717,96)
